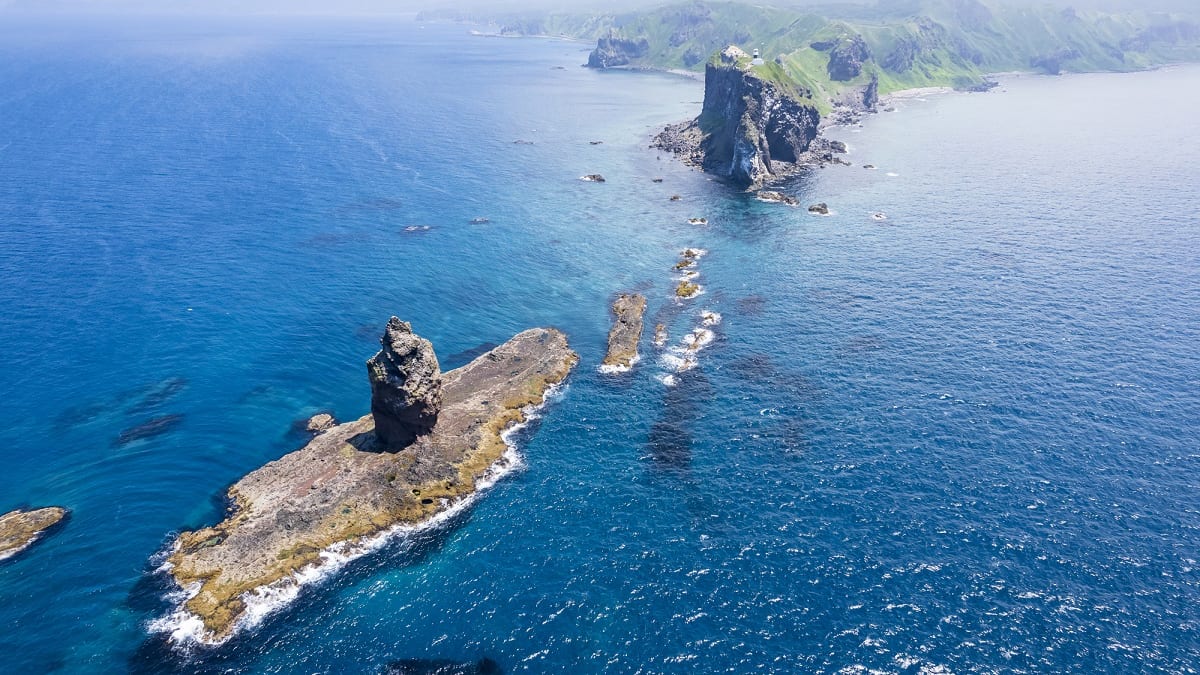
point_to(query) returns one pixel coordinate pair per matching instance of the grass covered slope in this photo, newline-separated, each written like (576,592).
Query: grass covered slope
(906,44)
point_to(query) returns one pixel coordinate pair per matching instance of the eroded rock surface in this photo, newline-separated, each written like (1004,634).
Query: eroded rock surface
(19,529)
(626,331)
(406,386)
(751,129)
(341,489)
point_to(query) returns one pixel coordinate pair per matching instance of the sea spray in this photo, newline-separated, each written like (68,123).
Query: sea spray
(185,630)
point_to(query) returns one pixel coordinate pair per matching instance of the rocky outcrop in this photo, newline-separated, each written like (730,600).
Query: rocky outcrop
(320,422)
(1052,63)
(19,529)
(406,387)
(846,58)
(613,50)
(626,332)
(751,129)
(339,492)
(777,197)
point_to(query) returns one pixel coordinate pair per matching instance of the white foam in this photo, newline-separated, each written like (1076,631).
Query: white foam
(893,174)
(698,339)
(710,318)
(616,368)
(185,630)
(879,215)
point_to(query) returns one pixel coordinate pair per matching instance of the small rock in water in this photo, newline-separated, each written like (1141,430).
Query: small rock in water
(320,422)
(675,198)
(656,180)
(417,228)
(777,197)
(595,142)
(480,220)
(522,142)
(593,178)
(697,221)
(660,335)
(821,208)
(19,529)
(879,215)
(868,166)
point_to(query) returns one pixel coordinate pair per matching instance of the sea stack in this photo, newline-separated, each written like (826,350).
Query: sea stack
(406,387)
(441,436)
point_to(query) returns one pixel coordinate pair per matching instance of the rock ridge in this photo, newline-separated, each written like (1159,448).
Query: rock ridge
(626,332)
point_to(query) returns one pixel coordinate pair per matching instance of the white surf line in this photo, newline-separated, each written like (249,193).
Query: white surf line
(186,630)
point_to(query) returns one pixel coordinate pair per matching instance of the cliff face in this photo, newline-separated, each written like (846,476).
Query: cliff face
(617,51)
(750,129)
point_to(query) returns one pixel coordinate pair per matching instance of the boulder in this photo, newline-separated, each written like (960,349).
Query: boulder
(820,208)
(320,422)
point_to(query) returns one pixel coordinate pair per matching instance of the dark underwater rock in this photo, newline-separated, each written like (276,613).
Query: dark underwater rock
(155,426)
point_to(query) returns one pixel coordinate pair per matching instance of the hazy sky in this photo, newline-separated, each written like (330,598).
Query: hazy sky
(410,6)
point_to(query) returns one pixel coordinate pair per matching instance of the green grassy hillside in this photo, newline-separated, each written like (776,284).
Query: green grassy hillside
(911,43)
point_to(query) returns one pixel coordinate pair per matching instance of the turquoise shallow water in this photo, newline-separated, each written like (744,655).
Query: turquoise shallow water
(962,438)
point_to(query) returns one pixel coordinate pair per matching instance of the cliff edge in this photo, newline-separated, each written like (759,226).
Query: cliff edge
(755,125)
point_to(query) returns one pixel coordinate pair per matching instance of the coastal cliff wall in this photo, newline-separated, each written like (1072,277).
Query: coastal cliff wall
(751,129)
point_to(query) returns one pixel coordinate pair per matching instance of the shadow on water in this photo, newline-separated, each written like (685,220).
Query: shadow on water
(484,666)
(669,444)
(157,655)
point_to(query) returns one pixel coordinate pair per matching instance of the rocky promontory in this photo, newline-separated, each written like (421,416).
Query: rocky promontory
(626,332)
(754,126)
(19,529)
(431,439)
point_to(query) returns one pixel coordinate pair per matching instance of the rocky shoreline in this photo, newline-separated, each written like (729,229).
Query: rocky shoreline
(431,442)
(20,529)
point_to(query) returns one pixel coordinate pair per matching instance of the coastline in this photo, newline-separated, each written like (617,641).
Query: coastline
(187,630)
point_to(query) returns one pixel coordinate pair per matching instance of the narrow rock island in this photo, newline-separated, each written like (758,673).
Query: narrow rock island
(19,529)
(430,439)
(625,334)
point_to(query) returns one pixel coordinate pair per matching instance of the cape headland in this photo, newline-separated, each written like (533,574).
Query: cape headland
(430,441)
(755,125)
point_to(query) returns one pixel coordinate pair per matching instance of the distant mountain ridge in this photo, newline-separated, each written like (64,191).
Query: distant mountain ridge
(902,45)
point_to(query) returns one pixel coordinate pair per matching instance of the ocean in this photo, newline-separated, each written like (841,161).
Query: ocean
(960,438)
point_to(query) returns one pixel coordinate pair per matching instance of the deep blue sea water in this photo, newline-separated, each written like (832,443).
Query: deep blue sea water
(962,439)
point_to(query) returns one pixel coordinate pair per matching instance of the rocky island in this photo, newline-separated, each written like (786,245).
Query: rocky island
(755,126)
(19,529)
(625,334)
(429,442)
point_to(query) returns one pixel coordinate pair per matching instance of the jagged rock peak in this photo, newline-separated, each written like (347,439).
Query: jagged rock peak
(732,54)
(406,386)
